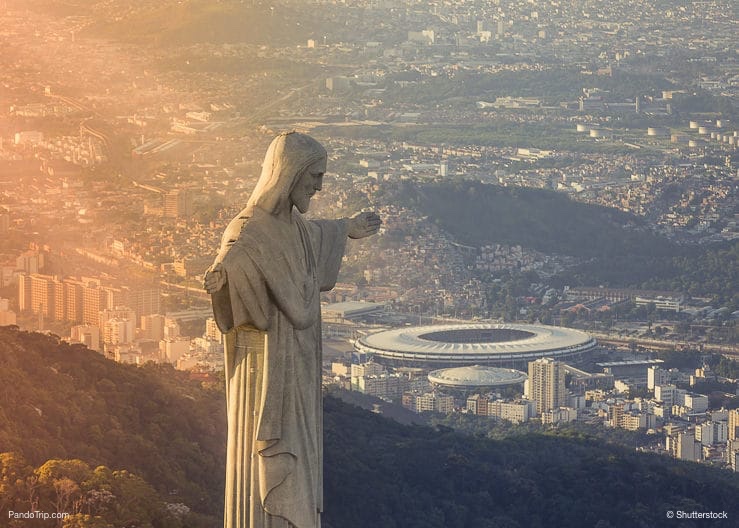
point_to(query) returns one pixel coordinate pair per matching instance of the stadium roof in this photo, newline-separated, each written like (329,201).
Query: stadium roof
(476,376)
(476,343)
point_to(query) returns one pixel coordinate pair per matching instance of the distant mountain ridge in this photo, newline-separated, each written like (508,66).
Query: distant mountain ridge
(64,401)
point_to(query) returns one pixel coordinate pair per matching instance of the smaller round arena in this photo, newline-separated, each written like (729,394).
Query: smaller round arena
(476,377)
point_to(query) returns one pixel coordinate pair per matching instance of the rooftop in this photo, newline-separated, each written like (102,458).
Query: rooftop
(477,376)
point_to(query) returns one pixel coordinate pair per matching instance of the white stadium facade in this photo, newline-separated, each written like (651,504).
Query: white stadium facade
(496,345)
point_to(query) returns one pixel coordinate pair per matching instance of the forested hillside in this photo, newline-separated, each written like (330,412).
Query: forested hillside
(61,401)
(379,473)
(616,248)
(547,221)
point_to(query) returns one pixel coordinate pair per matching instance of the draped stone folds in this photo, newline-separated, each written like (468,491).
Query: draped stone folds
(269,311)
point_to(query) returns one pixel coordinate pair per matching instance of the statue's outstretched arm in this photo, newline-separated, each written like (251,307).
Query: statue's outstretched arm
(363,224)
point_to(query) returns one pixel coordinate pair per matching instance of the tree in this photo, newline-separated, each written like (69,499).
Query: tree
(68,497)
(75,470)
(13,475)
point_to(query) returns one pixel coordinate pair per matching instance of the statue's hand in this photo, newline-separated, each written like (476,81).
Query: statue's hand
(215,278)
(364,224)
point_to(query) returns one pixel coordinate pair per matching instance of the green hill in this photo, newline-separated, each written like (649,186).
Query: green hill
(122,441)
(616,248)
(61,401)
(478,214)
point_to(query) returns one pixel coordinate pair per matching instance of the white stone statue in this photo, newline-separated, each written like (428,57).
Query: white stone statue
(265,285)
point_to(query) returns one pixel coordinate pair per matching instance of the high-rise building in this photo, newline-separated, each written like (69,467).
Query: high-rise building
(656,376)
(704,434)
(634,420)
(630,417)
(734,424)
(616,414)
(144,301)
(152,327)
(37,294)
(559,415)
(386,386)
(212,332)
(688,448)
(734,460)
(93,302)
(178,203)
(72,300)
(118,331)
(118,325)
(67,300)
(516,412)
(696,402)
(667,394)
(546,384)
(431,401)
(24,293)
(96,298)
(59,304)
(711,433)
(478,404)
(30,262)
(126,353)
(8,276)
(367,369)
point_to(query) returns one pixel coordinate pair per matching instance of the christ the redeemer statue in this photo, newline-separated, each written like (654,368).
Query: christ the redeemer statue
(265,286)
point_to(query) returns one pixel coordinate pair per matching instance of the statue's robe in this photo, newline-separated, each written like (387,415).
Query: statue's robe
(270,313)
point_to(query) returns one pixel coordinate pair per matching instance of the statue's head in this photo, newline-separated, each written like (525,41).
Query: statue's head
(292,172)
(308,183)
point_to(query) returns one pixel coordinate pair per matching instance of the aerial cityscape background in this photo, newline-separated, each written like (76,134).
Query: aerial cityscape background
(558,185)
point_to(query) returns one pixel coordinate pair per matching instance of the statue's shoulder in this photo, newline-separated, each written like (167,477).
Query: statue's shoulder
(262,233)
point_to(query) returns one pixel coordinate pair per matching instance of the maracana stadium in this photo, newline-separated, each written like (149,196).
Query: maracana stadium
(497,345)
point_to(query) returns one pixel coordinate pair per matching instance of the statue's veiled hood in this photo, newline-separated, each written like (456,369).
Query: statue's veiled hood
(287,157)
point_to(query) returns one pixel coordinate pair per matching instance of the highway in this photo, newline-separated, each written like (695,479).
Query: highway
(731,351)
